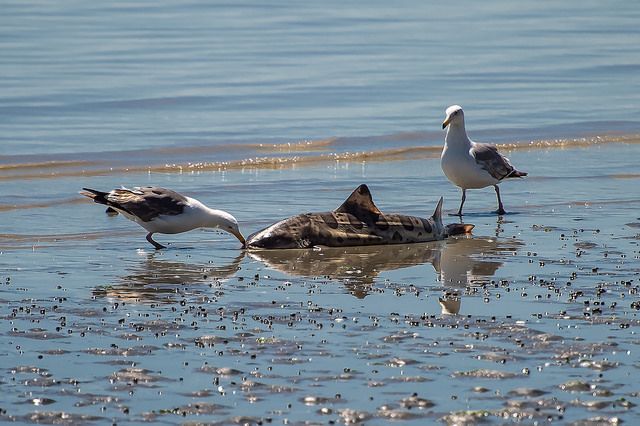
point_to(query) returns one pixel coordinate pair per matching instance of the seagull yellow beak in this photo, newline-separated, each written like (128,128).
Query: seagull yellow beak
(446,122)
(239,236)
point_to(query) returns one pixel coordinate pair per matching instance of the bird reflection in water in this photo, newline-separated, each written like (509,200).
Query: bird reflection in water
(470,262)
(458,262)
(159,280)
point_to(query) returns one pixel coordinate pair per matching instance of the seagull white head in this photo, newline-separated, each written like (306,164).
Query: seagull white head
(225,222)
(454,115)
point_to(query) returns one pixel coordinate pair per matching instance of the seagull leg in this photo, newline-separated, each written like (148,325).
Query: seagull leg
(158,246)
(464,197)
(500,210)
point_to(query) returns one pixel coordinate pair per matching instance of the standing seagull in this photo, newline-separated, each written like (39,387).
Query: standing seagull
(472,165)
(164,211)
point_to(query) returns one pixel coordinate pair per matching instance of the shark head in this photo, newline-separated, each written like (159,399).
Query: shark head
(288,233)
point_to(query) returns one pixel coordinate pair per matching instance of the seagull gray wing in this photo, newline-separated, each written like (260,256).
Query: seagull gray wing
(149,202)
(488,157)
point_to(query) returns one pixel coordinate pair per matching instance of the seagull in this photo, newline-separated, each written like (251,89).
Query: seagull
(472,165)
(164,211)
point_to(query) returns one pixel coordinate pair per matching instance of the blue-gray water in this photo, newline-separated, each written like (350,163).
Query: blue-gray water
(83,76)
(271,109)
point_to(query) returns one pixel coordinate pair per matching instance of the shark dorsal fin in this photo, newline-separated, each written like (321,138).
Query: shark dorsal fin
(359,204)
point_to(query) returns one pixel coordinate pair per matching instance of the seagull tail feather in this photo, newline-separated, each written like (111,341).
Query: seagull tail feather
(97,196)
(516,174)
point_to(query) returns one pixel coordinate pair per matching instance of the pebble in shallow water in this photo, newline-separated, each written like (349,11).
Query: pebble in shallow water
(485,374)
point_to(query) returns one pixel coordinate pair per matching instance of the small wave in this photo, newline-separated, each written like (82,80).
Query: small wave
(42,204)
(270,156)
(395,154)
(42,165)
(31,241)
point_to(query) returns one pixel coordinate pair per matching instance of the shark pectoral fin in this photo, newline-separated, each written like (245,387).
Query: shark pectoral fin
(374,238)
(360,238)
(459,228)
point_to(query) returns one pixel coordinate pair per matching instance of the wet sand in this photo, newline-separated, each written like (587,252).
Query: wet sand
(533,319)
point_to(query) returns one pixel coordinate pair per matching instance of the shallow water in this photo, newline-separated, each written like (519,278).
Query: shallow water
(104,328)
(269,111)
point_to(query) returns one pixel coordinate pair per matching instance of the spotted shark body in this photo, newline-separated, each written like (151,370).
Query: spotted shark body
(357,222)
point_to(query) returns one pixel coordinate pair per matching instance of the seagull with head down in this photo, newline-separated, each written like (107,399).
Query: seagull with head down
(471,165)
(160,210)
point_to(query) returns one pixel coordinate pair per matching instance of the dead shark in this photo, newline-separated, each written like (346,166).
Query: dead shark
(357,222)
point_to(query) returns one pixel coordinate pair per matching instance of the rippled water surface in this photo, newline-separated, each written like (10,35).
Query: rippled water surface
(269,110)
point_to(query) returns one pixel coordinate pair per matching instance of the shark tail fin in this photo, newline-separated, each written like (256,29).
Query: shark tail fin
(437,214)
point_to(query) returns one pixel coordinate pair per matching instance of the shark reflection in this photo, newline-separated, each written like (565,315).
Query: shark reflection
(159,280)
(458,262)
(358,267)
